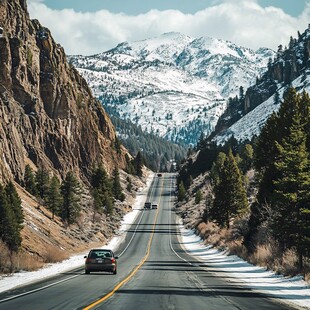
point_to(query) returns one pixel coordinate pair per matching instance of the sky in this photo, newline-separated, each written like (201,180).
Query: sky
(94,26)
(294,291)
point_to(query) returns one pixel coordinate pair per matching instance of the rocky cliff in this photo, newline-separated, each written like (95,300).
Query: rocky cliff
(48,116)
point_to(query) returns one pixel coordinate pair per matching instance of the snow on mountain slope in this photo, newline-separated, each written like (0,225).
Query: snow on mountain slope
(252,123)
(173,85)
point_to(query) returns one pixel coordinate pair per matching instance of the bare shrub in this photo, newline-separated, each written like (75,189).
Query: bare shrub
(264,256)
(5,258)
(213,234)
(27,262)
(53,255)
(288,263)
(237,248)
(17,261)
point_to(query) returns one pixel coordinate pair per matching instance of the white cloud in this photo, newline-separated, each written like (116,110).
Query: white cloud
(243,22)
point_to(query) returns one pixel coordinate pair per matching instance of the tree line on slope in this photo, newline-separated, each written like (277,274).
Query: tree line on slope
(280,158)
(63,199)
(156,151)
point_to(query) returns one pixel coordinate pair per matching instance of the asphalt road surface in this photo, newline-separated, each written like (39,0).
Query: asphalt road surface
(154,272)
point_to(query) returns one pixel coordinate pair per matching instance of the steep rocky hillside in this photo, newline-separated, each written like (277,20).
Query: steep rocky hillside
(173,85)
(48,114)
(49,119)
(290,67)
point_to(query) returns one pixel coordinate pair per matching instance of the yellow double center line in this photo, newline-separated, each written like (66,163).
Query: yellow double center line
(119,285)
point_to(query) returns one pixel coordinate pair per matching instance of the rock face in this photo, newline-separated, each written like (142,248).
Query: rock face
(48,116)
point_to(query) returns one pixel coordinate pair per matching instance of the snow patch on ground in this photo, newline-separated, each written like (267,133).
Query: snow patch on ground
(293,290)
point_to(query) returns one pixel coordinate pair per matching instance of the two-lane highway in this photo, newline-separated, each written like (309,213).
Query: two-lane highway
(154,272)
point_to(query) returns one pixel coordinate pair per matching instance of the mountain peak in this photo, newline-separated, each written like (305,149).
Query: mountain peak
(173,85)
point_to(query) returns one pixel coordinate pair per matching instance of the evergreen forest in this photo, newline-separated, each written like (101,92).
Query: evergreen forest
(158,153)
(259,189)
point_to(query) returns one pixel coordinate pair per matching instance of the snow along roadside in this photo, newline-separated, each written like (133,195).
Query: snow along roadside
(294,290)
(22,278)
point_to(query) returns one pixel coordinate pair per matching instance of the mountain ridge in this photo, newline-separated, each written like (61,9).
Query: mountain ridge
(155,83)
(290,68)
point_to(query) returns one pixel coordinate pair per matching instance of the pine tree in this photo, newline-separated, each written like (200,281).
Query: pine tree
(181,192)
(198,197)
(9,227)
(15,204)
(100,179)
(102,190)
(117,145)
(53,196)
(138,164)
(129,165)
(29,181)
(71,195)
(116,186)
(241,93)
(216,168)
(274,131)
(129,184)
(42,180)
(291,199)
(108,204)
(230,198)
(247,155)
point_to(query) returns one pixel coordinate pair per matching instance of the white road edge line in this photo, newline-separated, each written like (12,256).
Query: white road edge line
(38,289)
(172,185)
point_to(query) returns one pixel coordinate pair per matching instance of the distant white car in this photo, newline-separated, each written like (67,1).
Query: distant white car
(154,205)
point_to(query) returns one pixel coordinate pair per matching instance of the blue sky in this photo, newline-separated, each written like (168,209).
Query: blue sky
(94,26)
(292,7)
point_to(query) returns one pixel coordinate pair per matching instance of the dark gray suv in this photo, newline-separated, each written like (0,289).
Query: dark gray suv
(100,260)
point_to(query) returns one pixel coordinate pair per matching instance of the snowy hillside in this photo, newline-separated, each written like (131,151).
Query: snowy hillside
(252,123)
(172,85)
(290,68)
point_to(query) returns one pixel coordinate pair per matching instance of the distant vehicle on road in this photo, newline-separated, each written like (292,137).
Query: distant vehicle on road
(154,205)
(147,205)
(100,260)
(159,174)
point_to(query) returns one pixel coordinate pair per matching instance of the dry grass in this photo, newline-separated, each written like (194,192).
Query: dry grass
(211,233)
(264,256)
(53,254)
(27,262)
(287,264)
(5,258)
(237,248)
(16,261)
(307,275)
(267,255)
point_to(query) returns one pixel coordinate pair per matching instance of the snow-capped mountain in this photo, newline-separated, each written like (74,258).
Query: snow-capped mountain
(173,85)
